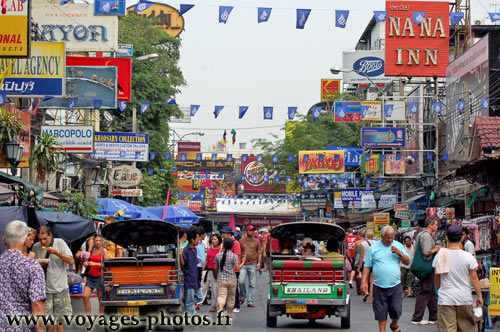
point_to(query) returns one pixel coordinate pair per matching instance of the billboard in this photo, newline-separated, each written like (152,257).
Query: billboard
(123,66)
(76,25)
(398,112)
(371,163)
(204,165)
(121,146)
(347,111)
(15,30)
(42,74)
(255,181)
(395,164)
(190,148)
(87,84)
(413,49)
(24,139)
(167,17)
(72,139)
(383,137)
(374,111)
(362,64)
(355,196)
(321,161)
(329,88)
(327,181)
(352,154)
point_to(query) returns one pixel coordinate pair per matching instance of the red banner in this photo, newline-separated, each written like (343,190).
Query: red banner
(254,182)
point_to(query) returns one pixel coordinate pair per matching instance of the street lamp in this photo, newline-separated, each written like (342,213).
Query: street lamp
(376,196)
(150,57)
(14,154)
(428,181)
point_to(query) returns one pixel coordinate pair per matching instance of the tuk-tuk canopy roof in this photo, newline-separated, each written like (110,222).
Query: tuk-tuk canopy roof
(318,231)
(141,232)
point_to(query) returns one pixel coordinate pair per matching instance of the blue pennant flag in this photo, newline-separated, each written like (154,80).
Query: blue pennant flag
(63,2)
(170,102)
(150,172)
(364,109)
(194,109)
(305,158)
(291,112)
(244,158)
(368,181)
(444,156)
(418,17)
(334,180)
(461,105)
(263,14)
(162,170)
(106,6)
(243,177)
(437,107)
(316,111)
(183,156)
(494,17)
(198,157)
(291,157)
(214,156)
(275,158)
(429,156)
(288,179)
(71,103)
(277,178)
(413,108)
(168,155)
(382,157)
(302,16)
(152,155)
(380,15)
(455,18)
(217,110)
(184,8)
(398,156)
(341,18)
(97,103)
(243,110)
(224,12)
(388,109)
(346,180)
(357,180)
(3,97)
(46,98)
(259,157)
(485,103)
(323,180)
(144,107)
(266,178)
(300,179)
(143,5)
(174,169)
(229,157)
(380,180)
(310,179)
(122,105)
(268,113)
(414,155)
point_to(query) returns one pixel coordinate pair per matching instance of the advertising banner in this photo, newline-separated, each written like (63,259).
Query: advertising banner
(352,154)
(254,172)
(374,111)
(351,195)
(190,148)
(371,164)
(167,17)
(15,30)
(326,181)
(123,66)
(418,48)
(368,201)
(387,201)
(329,88)
(494,307)
(311,204)
(127,192)
(261,220)
(72,139)
(118,8)
(337,200)
(76,25)
(205,165)
(362,64)
(380,220)
(393,165)
(216,188)
(125,50)
(383,137)
(121,146)
(347,111)
(42,74)
(24,139)
(321,161)
(87,84)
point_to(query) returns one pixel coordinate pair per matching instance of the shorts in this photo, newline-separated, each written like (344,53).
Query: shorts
(387,300)
(58,304)
(407,278)
(93,282)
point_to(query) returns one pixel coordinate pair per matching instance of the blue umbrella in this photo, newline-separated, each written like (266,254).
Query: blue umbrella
(178,215)
(112,205)
(146,215)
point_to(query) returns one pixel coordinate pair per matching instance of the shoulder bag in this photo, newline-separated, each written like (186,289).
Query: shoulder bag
(420,267)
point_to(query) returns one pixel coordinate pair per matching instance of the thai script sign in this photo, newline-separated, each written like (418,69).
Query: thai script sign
(321,161)
(125,176)
(383,137)
(121,146)
(72,139)
(347,111)
(15,28)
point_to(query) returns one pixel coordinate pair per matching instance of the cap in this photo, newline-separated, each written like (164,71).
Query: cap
(249,228)
(307,240)
(226,229)
(238,229)
(454,230)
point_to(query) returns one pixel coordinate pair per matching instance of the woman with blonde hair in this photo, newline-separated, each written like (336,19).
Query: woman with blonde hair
(30,240)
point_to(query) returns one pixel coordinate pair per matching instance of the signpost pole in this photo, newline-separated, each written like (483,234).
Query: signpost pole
(88,171)
(134,130)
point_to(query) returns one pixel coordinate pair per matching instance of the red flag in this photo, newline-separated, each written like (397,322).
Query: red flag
(166,204)
(231,223)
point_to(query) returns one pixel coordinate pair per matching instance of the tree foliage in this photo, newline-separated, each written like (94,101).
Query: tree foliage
(45,157)
(10,128)
(78,204)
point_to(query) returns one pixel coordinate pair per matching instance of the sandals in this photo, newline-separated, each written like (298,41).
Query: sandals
(365,297)
(395,329)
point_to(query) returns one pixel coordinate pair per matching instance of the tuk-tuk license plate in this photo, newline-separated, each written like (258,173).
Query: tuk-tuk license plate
(128,311)
(296,308)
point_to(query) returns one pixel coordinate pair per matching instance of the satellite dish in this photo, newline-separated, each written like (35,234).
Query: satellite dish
(108,116)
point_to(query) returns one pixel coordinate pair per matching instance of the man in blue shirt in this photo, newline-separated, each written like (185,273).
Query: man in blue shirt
(189,262)
(384,258)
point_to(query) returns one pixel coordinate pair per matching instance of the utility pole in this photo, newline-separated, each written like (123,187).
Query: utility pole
(88,170)
(466,96)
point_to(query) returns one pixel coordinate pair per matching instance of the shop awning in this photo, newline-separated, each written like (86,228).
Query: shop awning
(28,186)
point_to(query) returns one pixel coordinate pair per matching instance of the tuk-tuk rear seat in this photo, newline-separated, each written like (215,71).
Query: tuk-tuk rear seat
(331,271)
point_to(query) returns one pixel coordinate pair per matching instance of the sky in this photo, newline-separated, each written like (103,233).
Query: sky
(243,63)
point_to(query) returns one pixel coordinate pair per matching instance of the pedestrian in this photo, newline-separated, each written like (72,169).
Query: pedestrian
(189,262)
(58,302)
(226,262)
(227,233)
(455,271)
(200,256)
(384,259)
(252,250)
(113,250)
(366,245)
(358,262)
(209,276)
(183,237)
(467,244)
(407,278)
(426,295)
(350,240)
(22,283)
(93,280)
(30,240)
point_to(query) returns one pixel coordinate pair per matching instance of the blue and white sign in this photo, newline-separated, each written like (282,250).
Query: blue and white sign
(363,64)
(72,139)
(354,195)
(109,7)
(121,146)
(352,155)
(125,50)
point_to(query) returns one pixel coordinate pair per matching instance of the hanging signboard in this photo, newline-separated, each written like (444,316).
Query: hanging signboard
(401,207)
(352,154)
(373,112)
(205,165)
(383,137)
(354,195)
(371,165)
(363,64)
(337,200)
(24,137)
(321,161)
(368,201)
(387,201)
(380,220)
(393,165)
(87,84)
(327,181)
(127,192)
(125,176)
(42,74)
(15,30)
(121,146)
(407,215)
(167,17)
(72,139)
(255,177)
(347,111)
(329,89)
(398,110)
(494,307)
(125,50)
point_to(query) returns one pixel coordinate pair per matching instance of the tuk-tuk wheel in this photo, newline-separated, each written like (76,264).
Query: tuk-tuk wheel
(271,321)
(345,322)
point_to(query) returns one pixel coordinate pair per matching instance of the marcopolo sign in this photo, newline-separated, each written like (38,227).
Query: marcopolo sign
(15,28)
(72,139)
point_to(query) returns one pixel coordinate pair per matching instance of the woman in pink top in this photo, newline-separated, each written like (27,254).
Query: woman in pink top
(208,276)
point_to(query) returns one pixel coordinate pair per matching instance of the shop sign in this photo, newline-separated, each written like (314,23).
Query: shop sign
(383,137)
(368,201)
(125,50)
(24,138)
(125,176)
(337,200)
(205,165)
(255,178)
(332,161)
(373,112)
(165,16)
(387,201)
(121,146)
(408,215)
(494,307)
(127,192)
(261,220)
(193,205)
(413,49)
(347,111)
(363,64)
(72,139)
(401,207)
(393,165)
(379,221)
(329,89)
(354,195)
(313,203)
(352,154)
(372,165)
(42,74)
(76,25)
(15,29)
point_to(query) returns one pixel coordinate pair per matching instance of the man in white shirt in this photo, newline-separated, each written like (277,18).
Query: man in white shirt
(468,245)
(454,293)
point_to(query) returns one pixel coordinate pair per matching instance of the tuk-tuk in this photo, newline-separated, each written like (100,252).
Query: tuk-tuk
(308,287)
(144,282)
